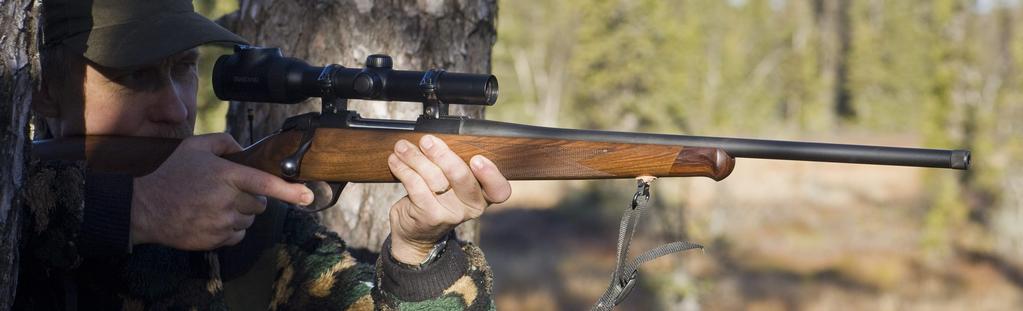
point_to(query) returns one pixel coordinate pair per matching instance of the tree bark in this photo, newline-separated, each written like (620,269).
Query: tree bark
(18,76)
(418,35)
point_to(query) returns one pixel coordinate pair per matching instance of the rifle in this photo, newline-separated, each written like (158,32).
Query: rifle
(337,145)
(328,149)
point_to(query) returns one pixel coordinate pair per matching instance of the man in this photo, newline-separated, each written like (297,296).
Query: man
(172,238)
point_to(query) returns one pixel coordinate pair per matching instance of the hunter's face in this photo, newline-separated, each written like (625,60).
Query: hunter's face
(154,100)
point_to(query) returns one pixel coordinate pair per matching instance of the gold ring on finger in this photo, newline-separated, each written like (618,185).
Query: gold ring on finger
(443,191)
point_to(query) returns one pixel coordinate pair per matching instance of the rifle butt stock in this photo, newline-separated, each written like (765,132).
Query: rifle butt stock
(136,156)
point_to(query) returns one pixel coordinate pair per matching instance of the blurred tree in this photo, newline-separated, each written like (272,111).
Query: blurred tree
(895,56)
(211,110)
(1002,149)
(630,70)
(457,36)
(945,113)
(533,49)
(834,17)
(663,66)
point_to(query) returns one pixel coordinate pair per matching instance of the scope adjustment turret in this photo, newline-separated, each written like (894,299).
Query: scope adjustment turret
(378,61)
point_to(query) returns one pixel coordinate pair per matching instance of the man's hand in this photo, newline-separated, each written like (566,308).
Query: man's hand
(196,200)
(442,192)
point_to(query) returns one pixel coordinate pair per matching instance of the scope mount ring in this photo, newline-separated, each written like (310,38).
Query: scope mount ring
(330,104)
(432,107)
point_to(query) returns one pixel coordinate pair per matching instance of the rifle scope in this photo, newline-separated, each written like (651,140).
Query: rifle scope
(264,75)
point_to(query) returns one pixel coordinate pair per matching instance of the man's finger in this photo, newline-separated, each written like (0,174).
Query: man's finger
(248,204)
(235,237)
(496,187)
(257,182)
(463,183)
(242,222)
(430,173)
(415,186)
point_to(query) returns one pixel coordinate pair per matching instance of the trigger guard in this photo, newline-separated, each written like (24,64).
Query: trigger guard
(325,195)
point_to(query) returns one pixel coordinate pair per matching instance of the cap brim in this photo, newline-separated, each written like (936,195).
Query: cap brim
(147,41)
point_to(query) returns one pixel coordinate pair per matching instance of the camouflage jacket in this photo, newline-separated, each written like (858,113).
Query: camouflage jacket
(313,270)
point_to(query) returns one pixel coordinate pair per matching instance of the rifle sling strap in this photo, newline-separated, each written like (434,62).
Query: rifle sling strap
(623,279)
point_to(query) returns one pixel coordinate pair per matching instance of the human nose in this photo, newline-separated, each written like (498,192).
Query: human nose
(169,104)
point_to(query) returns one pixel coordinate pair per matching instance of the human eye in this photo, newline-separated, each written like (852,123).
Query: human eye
(139,79)
(184,67)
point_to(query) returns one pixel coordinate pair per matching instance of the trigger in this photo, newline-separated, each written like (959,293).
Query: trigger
(325,194)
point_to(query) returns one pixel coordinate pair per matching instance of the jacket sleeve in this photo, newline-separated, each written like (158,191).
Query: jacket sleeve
(106,219)
(459,279)
(316,272)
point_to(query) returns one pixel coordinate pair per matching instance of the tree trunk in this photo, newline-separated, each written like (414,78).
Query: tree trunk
(18,76)
(834,18)
(423,34)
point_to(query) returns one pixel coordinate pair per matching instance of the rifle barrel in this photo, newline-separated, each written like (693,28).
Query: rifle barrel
(740,147)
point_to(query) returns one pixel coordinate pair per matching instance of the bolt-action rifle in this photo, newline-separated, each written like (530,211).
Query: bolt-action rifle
(336,145)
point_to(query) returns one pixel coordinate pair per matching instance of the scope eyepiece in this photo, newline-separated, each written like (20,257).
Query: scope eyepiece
(265,75)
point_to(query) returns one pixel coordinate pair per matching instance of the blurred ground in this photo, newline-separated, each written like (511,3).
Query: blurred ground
(779,236)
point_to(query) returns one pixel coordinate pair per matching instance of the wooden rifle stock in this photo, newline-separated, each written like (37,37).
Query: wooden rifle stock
(136,156)
(360,155)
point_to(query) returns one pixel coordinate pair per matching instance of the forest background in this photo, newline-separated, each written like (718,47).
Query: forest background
(779,235)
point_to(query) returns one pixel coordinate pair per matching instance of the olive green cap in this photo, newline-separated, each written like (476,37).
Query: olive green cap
(126,33)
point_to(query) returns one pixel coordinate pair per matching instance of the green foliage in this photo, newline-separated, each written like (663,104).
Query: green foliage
(695,66)
(892,54)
